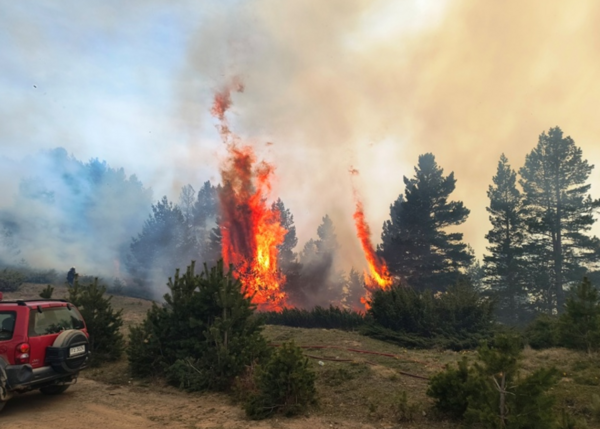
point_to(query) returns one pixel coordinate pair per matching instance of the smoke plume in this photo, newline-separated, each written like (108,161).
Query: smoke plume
(354,82)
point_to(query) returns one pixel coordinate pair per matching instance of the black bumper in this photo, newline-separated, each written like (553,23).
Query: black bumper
(23,377)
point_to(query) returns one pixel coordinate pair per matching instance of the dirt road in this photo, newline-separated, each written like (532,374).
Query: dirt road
(93,405)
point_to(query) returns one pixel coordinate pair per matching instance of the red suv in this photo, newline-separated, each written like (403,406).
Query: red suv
(43,345)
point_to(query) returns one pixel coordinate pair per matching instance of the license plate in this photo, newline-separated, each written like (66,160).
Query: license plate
(74,351)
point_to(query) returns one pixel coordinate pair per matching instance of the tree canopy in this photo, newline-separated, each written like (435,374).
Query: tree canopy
(559,215)
(415,241)
(503,264)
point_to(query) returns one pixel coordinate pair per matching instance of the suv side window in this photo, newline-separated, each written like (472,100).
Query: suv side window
(53,320)
(7,324)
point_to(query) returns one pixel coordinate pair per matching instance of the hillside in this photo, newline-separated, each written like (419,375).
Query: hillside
(360,384)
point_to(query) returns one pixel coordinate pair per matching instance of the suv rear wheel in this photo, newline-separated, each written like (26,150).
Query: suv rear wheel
(69,352)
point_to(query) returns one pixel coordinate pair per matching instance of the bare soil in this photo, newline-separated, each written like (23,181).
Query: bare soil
(93,405)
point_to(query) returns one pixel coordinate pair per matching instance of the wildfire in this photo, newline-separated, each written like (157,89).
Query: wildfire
(250,229)
(378,270)
(378,276)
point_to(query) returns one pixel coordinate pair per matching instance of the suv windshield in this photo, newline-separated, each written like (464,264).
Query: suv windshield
(7,324)
(53,320)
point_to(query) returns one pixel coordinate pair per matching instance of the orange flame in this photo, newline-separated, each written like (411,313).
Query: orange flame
(379,273)
(250,229)
(378,276)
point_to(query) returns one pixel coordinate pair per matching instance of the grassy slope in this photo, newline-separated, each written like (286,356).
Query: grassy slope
(367,387)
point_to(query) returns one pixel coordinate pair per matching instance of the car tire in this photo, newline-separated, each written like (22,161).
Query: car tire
(4,395)
(55,389)
(58,354)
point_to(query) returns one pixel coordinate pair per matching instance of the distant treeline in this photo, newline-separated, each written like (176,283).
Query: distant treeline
(539,245)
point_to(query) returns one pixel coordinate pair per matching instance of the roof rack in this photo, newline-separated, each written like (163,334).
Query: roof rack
(25,301)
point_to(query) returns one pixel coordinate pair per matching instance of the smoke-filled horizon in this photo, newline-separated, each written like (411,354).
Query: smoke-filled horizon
(328,86)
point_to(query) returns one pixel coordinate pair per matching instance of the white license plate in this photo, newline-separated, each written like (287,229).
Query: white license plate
(74,351)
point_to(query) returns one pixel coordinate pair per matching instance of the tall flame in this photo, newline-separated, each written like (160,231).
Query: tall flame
(250,229)
(378,270)
(378,276)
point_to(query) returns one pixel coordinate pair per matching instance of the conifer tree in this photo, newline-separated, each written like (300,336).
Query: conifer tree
(319,281)
(415,243)
(287,256)
(580,323)
(165,240)
(102,321)
(206,221)
(492,393)
(559,212)
(186,203)
(204,336)
(503,265)
(355,290)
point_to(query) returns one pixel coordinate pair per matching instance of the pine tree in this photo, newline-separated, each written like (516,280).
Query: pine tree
(287,257)
(503,265)
(319,282)
(186,203)
(559,211)
(415,244)
(102,321)
(206,221)
(285,385)
(165,240)
(355,290)
(579,325)
(204,336)
(492,393)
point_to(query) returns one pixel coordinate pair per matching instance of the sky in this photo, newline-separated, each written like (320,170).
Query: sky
(330,85)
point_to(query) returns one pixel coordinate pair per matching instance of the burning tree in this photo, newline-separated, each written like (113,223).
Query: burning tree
(378,276)
(251,230)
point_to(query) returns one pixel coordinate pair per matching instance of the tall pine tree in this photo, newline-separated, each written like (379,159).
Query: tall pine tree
(287,256)
(205,222)
(503,265)
(559,213)
(165,243)
(319,281)
(415,243)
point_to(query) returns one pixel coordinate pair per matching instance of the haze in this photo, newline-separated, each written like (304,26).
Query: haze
(332,85)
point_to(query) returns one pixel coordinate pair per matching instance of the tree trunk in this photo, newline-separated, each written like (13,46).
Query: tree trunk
(560,296)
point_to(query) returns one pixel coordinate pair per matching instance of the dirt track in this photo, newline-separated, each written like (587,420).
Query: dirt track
(94,405)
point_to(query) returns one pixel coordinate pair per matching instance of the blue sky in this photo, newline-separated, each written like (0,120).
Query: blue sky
(95,78)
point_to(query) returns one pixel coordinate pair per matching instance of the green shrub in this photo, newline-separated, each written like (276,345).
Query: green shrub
(145,351)
(318,317)
(492,394)
(450,390)
(579,325)
(285,385)
(595,407)
(11,279)
(459,318)
(102,321)
(40,276)
(568,421)
(47,292)
(542,332)
(402,409)
(204,335)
